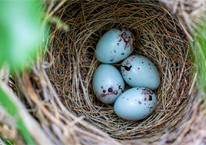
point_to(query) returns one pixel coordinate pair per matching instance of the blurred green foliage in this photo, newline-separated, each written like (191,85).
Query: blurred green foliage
(13,110)
(21,37)
(199,46)
(20,32)
(7,142)
(8,104)
(24,132)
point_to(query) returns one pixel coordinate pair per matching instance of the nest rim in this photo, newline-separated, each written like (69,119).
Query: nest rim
(98,30)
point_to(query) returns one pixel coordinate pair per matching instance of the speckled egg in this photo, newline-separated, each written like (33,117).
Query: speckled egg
(139,71)
(114,46)
(108,83)
(135,104)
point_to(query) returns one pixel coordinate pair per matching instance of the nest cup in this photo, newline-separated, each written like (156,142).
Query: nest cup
(71,54)
(158,36)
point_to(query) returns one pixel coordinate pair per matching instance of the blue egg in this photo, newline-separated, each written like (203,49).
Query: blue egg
(135,104)
(114,46)
(139,71)
(107,83)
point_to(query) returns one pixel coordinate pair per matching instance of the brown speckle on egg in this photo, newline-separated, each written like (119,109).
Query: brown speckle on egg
(128,68)
(110,90)
(103,95)
(126,38)
(114,51)
(150,98)
(129,78)
(122,53)
(146,92)
(115,92)
(111,60)
(120,87)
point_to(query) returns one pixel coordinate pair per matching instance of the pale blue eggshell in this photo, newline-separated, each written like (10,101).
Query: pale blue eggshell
(135,104)
(139,71)
(114,46)
(107,83)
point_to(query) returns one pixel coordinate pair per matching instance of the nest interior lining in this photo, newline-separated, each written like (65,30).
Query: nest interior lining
(158,36)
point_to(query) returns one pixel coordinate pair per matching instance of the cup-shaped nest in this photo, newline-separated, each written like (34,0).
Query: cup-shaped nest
(158,36)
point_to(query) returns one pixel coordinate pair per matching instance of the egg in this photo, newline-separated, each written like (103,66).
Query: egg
(114,46)
(107,83)
(139,71)
(135,104)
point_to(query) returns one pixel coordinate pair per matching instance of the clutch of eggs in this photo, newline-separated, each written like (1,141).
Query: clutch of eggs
(114,46)
(107,83)
(138,71)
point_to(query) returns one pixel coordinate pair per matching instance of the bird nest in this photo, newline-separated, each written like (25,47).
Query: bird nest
(68,110)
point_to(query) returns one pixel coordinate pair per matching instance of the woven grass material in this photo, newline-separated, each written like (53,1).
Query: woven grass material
(190,13)
(62,100)
(158,36)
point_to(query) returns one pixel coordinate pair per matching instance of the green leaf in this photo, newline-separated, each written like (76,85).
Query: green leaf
(7,103)
(20,32)
(25,132)
(12,109)
(7,142)
(200,54)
